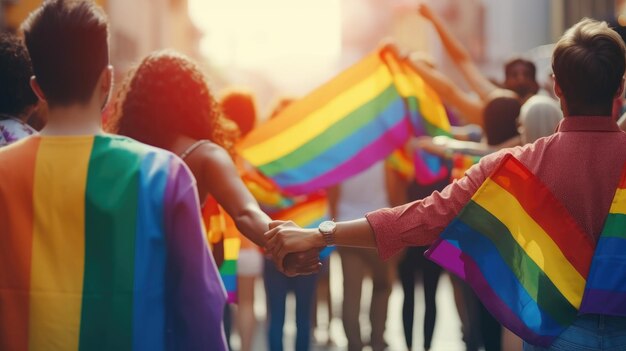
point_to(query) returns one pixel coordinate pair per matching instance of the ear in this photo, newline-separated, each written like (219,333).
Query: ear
(557,90)
(106,86)
(620,90)
(106,80)
(37,89)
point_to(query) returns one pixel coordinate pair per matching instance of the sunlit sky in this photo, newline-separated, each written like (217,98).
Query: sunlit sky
(262,34)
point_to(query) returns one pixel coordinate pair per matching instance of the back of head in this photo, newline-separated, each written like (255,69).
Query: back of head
(500,119)
(68,45)
(165,97)
(588,64)
(16,96)
(240,107)
(539,117)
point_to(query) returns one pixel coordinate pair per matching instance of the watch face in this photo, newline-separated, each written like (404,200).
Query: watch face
(327,226)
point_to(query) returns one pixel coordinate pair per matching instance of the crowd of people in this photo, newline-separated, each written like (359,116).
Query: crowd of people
(110,221)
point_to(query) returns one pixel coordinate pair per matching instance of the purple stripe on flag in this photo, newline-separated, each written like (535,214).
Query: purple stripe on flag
(196,296)
(376,151)
(604,302)
(454,260)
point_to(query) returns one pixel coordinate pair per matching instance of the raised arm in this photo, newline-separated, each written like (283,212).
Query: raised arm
(461,57)
(470,108)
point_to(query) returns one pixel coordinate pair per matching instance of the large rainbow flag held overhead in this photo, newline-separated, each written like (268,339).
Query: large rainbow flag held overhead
(346,125)
(605,292)
(521,252)
(102,247)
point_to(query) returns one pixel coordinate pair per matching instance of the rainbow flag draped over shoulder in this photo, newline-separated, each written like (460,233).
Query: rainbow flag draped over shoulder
(605,292)
(102,248)
(346,125)
(521,252)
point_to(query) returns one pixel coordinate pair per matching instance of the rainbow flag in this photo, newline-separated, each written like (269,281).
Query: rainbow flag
(400,162)
(103,248)
(266,192)
(224,243)
(461,163)
(308,212)
(521,252)
(429,168)
(605,292)
(346,125)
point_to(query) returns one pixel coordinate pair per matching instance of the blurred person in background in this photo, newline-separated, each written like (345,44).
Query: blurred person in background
(18,102)
(519,76)
(278,285)
(353,198)
(413,262)
(240,107)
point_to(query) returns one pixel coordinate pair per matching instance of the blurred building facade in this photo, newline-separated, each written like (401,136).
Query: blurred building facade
(138,27)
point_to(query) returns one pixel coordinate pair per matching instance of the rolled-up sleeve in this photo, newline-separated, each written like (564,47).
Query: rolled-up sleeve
(420,222)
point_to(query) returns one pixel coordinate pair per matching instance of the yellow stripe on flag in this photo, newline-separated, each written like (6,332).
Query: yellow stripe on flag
(619,202)
(534,240)
(58,254)
(288,140)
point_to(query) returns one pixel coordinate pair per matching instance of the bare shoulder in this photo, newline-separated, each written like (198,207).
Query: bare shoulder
(208,152)
(211,156)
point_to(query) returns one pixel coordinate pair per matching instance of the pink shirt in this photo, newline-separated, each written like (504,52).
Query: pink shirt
(581,164)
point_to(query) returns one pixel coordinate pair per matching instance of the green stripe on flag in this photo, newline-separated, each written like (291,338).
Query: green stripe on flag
(110,224)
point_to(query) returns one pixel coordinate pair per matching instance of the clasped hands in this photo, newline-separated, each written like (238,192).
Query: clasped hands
(294,250)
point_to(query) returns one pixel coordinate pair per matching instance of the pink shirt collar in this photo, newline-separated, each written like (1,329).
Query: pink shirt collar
(588,124)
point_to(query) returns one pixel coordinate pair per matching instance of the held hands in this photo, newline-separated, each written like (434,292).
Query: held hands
(294,250)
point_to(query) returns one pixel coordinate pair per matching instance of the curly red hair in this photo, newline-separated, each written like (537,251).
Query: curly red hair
(165,96)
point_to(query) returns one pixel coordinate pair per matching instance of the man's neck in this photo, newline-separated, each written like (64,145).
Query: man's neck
(73,120)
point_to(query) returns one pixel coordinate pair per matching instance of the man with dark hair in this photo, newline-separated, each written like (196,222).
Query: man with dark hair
(581,166)
(520,77)
(102,241)
(17,100)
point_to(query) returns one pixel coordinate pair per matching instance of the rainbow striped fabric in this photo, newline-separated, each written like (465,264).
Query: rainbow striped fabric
(400,162)
(521,252)
(346,125)
(103,248)
(307,211)
(224,242)
(605,292)
(266,192)
(461,163)
(429,168)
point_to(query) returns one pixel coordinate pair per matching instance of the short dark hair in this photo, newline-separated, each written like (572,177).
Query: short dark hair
(15,72)
(588,64)
(532,69)
(500,119)
(68,45)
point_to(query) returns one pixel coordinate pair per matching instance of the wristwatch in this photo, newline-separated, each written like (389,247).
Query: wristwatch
(328,229)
